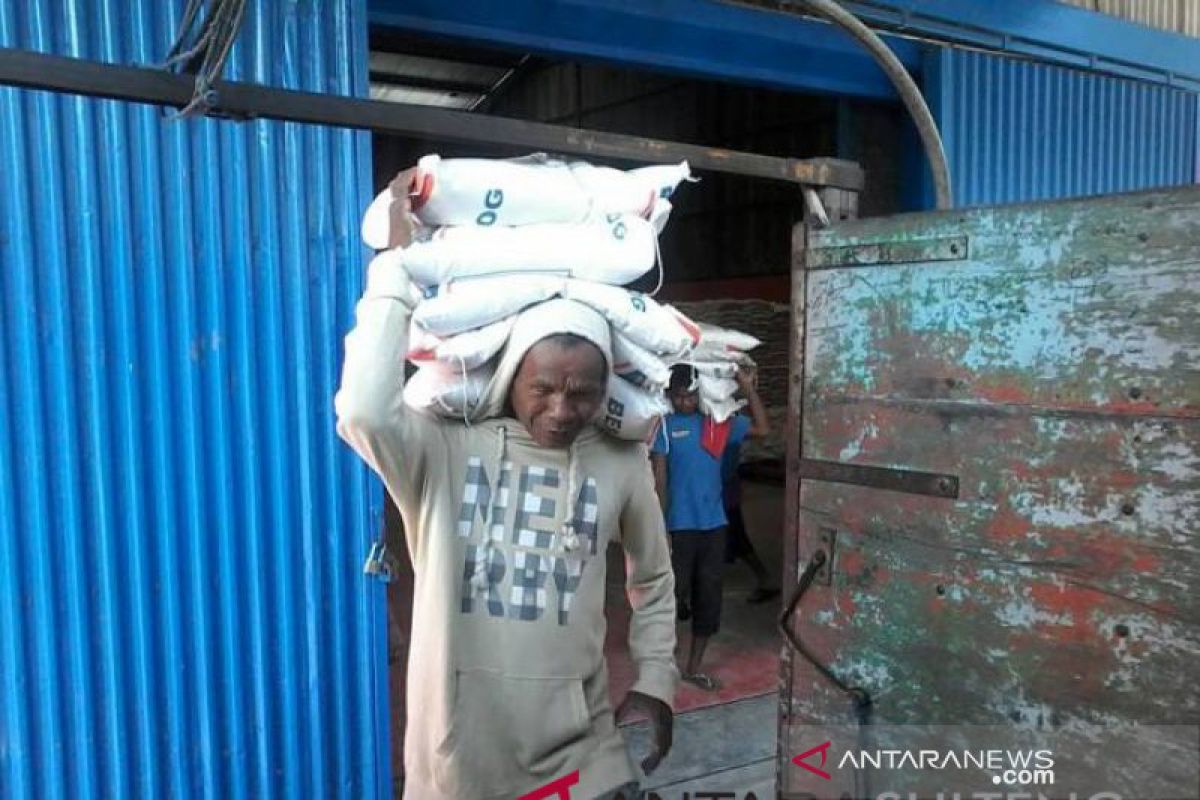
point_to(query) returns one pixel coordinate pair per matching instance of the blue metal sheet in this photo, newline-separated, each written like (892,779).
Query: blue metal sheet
(1047,30)
(1018,131)
(701,38)
(182,611)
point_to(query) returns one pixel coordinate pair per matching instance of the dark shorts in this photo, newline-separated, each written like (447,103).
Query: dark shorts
(698,559)
(737,543)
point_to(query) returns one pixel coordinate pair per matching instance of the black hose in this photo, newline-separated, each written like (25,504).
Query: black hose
(909,93)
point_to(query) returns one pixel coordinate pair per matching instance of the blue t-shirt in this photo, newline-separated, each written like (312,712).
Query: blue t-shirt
(693,475)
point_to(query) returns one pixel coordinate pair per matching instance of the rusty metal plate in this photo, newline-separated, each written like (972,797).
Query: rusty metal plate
(900,251)
(890,479)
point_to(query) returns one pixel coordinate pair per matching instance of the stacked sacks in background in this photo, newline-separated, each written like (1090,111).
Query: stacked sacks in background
(484,240)
(716,358)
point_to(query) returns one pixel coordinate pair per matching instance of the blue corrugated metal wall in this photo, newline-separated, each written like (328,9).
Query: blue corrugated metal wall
(1018,130)
(182,612)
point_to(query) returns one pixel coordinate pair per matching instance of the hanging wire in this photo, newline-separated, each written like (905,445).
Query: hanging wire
(210,42)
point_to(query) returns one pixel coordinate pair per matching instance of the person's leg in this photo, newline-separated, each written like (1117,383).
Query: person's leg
(741,547)
(733,543)
(706,621)
(683,556)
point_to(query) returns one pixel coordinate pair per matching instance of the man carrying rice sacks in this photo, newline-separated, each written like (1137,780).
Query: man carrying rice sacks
(687,457)
(507,513)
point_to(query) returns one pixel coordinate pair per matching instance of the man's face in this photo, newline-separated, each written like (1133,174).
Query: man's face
(557,390)
(683,401)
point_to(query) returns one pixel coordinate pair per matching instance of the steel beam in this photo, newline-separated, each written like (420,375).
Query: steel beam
(698,38)
(247,101)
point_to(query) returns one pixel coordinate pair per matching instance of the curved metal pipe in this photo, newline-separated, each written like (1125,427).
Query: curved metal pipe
(909,93)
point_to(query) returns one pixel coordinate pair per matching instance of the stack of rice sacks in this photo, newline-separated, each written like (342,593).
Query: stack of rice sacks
(716,359)
(485,239)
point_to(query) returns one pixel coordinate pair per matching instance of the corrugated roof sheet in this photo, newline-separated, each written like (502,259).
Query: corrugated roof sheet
(182,609)
(1017,130)
(1180,16)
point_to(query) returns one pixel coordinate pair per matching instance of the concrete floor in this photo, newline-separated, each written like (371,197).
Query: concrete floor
(724,748)
(744,655)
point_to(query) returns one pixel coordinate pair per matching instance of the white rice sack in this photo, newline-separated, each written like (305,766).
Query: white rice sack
(631,413)
(723,344)
(473,348)
(486,192)
(717,388)
(638,365)
(466,305)
(664,178)
(422,345)
(617,251)
(658,328)
(443,390)
(720,410)
(635,191)
(719,370)
(466,350)
(536,189)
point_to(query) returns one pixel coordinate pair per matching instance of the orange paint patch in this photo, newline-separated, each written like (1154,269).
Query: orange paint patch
(1074,605)
(1146,562)
(1123,479)
(850,563)
(1007,525)
(844,602)
(1003,393)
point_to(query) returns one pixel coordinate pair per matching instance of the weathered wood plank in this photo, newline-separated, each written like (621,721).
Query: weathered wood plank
(1055,369)
(1062,307)
(1109,503)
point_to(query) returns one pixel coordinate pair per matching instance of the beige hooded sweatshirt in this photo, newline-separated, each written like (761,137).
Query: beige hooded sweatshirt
(507,682)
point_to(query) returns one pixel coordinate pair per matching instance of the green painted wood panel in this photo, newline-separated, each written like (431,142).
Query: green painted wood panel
(1049,356)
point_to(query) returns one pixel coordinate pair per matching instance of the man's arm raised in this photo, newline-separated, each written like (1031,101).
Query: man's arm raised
(371,415)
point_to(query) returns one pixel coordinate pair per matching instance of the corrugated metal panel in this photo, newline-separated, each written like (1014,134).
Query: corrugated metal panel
(1018,130)
(1162,14)
(1180,16)
(182,612)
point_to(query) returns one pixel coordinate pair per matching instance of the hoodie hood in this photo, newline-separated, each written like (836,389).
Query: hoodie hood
(532,325)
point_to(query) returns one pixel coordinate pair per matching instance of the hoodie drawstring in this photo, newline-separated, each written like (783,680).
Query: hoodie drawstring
(570,537)
(462,362)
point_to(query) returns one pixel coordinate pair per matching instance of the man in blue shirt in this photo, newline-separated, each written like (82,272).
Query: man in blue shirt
(687,458)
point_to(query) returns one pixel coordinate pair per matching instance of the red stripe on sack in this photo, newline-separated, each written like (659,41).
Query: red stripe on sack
(691,328)
(653,431)
(649,209)
(420,196)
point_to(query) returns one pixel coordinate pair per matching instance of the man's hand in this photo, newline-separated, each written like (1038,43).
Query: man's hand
(662,724)
(747,379)
(658,465)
